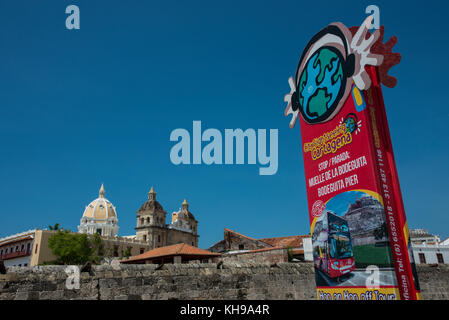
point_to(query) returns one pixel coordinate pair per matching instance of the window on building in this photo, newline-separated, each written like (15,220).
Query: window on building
(440,258)
(23,247)
(25,264)
(144,237)
(28,247)
(148,220)
(142,250)
(241,247)
(422,258)
(115,251)
(142,221)
(17,248)
(158,238)
(35,250)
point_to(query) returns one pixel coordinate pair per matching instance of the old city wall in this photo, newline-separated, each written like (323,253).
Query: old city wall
(260,256)
(186,281)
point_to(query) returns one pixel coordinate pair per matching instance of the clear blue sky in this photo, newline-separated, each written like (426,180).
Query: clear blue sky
(82,107)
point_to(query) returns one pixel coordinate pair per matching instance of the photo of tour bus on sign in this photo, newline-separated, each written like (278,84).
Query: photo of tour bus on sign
(350,239)
(332,247)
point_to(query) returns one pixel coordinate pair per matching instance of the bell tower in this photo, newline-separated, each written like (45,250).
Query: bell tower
(151,222)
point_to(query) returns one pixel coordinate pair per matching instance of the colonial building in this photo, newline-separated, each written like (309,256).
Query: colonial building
(23,249)
(265,249)
(152,228)
(30,248)
(428,248)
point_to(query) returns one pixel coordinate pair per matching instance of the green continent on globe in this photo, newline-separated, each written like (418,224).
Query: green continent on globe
(318,103)
(320,83)
(325,59)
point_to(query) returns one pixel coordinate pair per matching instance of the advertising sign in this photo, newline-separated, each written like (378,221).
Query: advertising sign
(360,238)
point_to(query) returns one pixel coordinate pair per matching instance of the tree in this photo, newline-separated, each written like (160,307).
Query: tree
(72,248)
(97,247)
(55,227)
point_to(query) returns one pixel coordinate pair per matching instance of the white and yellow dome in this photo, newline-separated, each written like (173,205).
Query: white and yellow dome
(100,208)
(100,216)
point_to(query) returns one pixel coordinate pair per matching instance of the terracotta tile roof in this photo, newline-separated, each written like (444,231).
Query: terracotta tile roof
(291,241)
(180,249)
(239,234)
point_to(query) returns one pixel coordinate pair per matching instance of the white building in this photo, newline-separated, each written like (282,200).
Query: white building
(308,248)
(431,254)
(15,250)
(427,248)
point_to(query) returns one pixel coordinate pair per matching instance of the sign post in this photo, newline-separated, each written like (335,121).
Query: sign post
(360,238)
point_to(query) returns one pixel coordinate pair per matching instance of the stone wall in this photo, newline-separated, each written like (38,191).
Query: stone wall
(434,281)
(187,281)
(269,255)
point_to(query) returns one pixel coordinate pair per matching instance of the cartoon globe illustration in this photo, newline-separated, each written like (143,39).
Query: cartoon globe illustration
(351,124)
(321,85)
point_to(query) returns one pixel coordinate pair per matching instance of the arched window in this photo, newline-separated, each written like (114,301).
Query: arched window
(142,221)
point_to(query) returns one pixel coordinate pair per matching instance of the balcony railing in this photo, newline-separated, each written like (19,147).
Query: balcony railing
(16,254)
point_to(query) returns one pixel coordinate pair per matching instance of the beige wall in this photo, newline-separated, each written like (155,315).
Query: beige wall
(112,246)
(177,236)
(41,252)
(167,237)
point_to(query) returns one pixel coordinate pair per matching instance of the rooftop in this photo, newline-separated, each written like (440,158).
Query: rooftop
(291,241)
(180,249)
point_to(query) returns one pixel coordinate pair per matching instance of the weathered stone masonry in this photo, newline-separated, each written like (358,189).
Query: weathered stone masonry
(187,281)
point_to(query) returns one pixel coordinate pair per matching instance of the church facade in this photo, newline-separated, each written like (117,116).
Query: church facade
(100,216)
(151,226)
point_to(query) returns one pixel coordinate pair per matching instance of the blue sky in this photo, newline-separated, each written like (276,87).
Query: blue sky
(82,107)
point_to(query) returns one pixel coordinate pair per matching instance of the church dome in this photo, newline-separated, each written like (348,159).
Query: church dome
(151,205)
(100,216)
(101,208)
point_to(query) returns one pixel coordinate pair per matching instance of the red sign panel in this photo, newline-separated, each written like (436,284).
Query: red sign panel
(359,232)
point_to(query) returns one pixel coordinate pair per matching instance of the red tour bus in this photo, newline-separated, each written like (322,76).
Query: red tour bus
(332,247)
